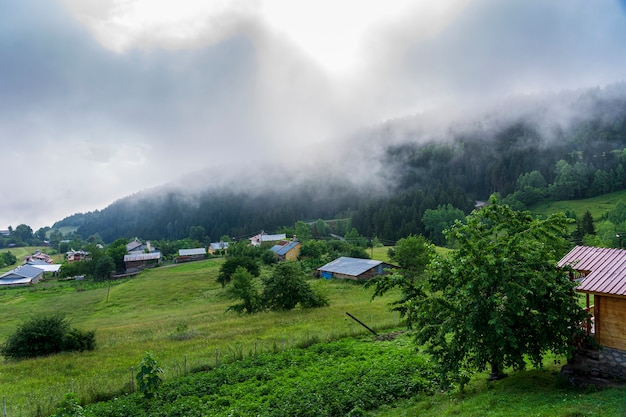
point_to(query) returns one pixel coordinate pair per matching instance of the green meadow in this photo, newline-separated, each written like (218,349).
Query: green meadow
(177,313)
(597,206)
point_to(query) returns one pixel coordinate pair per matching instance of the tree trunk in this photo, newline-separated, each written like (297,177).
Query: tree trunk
(495,372)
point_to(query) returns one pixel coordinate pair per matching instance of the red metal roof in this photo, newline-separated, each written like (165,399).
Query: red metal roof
(606,269)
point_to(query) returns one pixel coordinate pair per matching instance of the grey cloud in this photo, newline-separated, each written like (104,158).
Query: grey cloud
(96,125)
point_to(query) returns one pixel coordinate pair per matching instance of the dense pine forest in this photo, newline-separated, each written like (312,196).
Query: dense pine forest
(566,145)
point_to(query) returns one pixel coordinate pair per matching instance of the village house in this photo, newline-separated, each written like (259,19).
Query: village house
(287,250)
(258,240)
(218,247)
(38,256)
(353,268)
(77,256)
(601,275)
(141,256)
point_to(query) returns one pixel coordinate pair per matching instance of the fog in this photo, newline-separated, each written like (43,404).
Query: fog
(103,98)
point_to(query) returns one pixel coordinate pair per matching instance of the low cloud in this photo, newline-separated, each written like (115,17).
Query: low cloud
(101,99)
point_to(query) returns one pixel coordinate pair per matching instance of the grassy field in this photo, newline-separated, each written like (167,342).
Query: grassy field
(176,312)
(21,252)
(533,392)
(597,206)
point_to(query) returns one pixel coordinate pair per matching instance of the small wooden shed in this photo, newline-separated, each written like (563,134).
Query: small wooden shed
(601,273)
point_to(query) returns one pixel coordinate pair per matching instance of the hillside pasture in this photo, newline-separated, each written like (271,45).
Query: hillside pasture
(21,253)
(597,206)
(176,312)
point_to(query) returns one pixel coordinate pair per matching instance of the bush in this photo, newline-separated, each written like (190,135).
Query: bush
(42,336)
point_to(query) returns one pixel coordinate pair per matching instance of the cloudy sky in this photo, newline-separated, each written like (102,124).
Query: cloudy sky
(103,98)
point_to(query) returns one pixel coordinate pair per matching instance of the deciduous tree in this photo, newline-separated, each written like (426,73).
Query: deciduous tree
(244,287)
(500,298)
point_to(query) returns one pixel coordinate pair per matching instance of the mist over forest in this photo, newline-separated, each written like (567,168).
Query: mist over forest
(559,145)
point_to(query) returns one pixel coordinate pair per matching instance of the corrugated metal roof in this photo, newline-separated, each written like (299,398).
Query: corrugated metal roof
(219,245)
(605,268)
(349,266)
(283,249)
(25,271)
(48,267)
(142,256)
(192,252)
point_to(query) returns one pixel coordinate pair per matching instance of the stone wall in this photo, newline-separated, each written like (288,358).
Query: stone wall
(613,362)
(599,363)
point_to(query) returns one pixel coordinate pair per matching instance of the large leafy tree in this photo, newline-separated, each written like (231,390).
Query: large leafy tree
(436,221)
(231,264)
(412,256)
(287,286)
(246,289)
(499,298)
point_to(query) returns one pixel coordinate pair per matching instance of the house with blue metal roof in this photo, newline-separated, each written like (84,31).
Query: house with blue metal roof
(353,268)
(22,275)
(288,251)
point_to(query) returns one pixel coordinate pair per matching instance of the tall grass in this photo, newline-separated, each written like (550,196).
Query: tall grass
(178,313)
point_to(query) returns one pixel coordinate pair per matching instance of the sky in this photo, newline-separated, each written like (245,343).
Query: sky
(100,99)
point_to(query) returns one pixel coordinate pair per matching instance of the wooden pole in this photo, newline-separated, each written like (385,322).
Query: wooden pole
(361,323)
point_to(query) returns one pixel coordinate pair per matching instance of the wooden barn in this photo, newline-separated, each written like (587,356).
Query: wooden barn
(353,268)
(22,275)
(601,273)
(187,255)
(137,261)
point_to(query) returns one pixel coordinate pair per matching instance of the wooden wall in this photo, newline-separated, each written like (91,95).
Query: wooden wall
(610,321)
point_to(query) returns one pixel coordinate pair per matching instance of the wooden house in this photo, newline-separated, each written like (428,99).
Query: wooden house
(77,256)
(137,261)
(287,250)
(601,275)
(141,256)
(261,238)
(218,247)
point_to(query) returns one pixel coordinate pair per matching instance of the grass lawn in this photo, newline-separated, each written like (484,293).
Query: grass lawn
(176,312)
(533,392)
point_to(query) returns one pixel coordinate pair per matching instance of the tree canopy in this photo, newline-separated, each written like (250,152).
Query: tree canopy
(499,298)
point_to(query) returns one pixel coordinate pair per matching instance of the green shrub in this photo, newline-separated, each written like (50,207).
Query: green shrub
(149,376)
(46,335)
(69,407)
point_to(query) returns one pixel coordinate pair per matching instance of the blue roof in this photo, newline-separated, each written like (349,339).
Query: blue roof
(283,249)
(350,266)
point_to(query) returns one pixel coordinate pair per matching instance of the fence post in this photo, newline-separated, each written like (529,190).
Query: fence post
(132,379)
(4,403)
(217,358)
(185,364)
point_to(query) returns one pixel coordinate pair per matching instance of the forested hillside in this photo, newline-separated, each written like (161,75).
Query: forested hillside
(556,146)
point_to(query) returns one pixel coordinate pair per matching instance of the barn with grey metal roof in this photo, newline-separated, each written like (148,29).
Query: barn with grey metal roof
(353,268)
(22,275)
